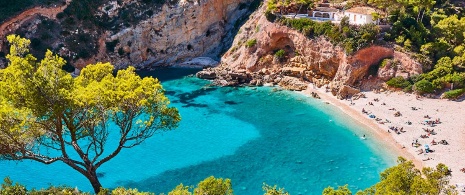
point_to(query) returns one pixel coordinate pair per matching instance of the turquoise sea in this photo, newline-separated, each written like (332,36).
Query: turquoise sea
(250,135)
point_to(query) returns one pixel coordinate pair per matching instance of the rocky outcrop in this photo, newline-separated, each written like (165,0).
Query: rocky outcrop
(178,33)
(357,66)
(140,33)
(206,74)
(305,61)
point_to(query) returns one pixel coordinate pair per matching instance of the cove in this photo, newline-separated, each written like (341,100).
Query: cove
(250,135)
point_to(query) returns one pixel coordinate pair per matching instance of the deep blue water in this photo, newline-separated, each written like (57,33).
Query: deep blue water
(250,135)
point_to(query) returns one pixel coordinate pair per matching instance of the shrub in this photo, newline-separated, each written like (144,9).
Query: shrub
(9,188)
(458,79)
(280,54)
(251,43)
(400,40)
(298,24)
(454,94)
(384,63)
(398,82)
(408,44)
(423,86)
(120,51)
(438,83)
(270,16)
(61,15)
(111,45)
(408,89)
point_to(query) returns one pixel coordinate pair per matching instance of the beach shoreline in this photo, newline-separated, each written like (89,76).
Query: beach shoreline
(411,124)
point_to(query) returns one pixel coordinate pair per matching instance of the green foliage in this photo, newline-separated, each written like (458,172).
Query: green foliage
(443,73)
(9,8)
(123,191)
(351,37)
(398,82)
(280,54)
(408,44)
(298,24)
(408,89)
(459,50)
(404,178)
(111,45)
(40,101)
(8,188)
(401,179)
(120,51)
(452,28)
(180,190)
(214,186)
(273,190)
(270,16)
(457,79)
(251,43)
(433,28)
(275,5)
(83,10)
(384,63)
(341,190)
(454,94)
(60,190)
(423,86)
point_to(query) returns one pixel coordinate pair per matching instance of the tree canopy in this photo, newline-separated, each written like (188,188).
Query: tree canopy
(402,179)
(43,108)
(405,179)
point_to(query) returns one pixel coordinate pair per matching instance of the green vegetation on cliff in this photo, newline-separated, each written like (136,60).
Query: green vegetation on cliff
(431,31)
(351,37)
(10,8)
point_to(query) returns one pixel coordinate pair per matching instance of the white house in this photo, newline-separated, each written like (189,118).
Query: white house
(360,15)
(324,13)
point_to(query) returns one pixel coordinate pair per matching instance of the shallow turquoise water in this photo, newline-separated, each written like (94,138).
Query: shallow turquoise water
(250,135)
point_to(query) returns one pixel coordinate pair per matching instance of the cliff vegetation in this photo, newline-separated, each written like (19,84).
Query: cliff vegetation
(431,32)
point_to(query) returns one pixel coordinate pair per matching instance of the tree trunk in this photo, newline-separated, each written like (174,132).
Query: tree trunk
(298,11)
(422,14)
(418,16)
(92,176)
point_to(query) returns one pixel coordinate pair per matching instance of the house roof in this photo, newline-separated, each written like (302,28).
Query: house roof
(325,9)
(362,10)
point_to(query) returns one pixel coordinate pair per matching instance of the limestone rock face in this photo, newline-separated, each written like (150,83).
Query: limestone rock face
(400,65)
(316,56)
(206,74)
(357,66)
(305,61)
(178,33)
(292,83)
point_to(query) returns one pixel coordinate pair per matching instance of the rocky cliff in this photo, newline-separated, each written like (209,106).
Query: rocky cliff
(139,32)
(176,34)
(256,59)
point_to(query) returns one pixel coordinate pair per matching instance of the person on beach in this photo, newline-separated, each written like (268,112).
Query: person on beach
(420,151)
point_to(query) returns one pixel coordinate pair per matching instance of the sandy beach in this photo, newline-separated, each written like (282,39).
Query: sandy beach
(416,116)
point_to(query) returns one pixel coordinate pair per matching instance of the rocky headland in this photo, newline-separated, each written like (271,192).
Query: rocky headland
(252,61)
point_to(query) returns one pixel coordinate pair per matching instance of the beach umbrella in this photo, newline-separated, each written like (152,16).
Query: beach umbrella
(426,146)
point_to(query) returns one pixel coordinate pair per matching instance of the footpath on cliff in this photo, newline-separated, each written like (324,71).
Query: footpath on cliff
(15,22)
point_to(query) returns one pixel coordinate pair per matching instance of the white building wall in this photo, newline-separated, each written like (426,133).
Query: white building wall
(359,19)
